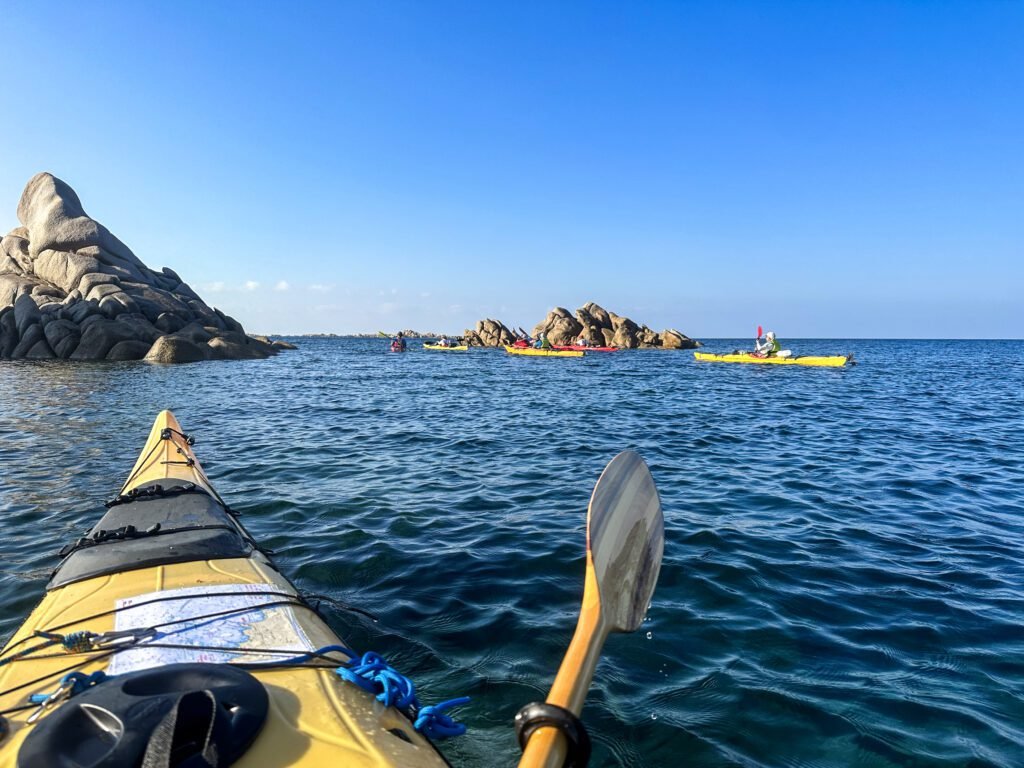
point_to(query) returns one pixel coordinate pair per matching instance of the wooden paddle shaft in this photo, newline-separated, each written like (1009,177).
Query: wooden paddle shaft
(547,747)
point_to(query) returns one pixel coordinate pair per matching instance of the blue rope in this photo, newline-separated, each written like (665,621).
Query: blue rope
(374,675)
(393,689)
(435,724)
(74,642)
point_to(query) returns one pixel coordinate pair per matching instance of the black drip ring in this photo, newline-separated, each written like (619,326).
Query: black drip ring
(540,714)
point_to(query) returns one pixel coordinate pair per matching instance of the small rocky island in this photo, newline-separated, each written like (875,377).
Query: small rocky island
(70,289)
(598,326)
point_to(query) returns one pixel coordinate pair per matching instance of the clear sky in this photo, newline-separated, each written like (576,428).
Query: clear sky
(823,168)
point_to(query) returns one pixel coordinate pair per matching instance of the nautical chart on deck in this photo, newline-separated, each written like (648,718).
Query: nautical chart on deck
(237,636)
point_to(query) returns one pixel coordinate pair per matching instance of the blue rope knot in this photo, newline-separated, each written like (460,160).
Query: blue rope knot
(73,642)
(77,642)
(376,676)
(393,689)
(435,724)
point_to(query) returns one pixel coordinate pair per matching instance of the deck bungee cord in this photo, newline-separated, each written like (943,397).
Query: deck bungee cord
(304,597)
(369,671)
(168,433)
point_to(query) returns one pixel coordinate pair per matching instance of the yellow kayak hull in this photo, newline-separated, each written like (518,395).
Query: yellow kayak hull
(832,361)
(533,352)
(439,348)
(314,717)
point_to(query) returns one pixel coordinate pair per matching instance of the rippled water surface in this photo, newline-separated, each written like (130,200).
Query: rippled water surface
(843,581)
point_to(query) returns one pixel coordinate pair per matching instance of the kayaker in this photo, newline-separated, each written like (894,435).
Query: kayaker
(582,341)
(542,341)
(398,343)
(770,347)
(444,342)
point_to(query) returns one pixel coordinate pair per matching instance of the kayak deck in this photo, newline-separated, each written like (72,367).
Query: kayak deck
(578,348)
(439,348)
(832,361)
(314,717)
(533,352)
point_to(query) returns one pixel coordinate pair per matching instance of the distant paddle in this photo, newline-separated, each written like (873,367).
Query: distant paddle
(625,542)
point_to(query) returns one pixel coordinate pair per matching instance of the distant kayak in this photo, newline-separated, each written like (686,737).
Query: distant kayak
(534,352)
(833,361)
(439,348)
(578,348)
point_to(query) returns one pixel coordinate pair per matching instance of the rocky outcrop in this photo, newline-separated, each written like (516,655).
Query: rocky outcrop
(489,333)
(70,289)
(175,349)
(599,326)
(276,343)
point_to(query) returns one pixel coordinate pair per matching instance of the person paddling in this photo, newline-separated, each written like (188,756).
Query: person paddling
(542,341)
(398,343)
(770,347)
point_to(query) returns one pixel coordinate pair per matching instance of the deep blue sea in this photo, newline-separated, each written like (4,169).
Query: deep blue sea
(843,581)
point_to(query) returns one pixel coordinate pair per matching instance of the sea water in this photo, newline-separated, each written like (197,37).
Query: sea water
(843,580)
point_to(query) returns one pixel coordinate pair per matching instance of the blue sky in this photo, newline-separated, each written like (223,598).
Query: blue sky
(822,168)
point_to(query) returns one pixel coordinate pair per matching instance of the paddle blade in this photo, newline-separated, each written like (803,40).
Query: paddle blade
(626,540)
(760,332)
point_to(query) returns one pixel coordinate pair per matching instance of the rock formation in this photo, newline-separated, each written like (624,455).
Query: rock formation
(70,289)
(597,325)
(489,333)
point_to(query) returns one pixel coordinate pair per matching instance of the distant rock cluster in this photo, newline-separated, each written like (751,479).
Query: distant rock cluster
(489,333)
(594,323)
(70,289)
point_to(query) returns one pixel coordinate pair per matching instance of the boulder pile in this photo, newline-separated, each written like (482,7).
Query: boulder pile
(489,333)
(70,289)
(597,325)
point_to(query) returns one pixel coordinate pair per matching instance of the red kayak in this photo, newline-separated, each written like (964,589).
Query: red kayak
(578,348)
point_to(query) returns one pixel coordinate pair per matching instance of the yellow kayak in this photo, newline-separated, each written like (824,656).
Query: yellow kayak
(149,607)
(833,361)
(533,352)
(439,348)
